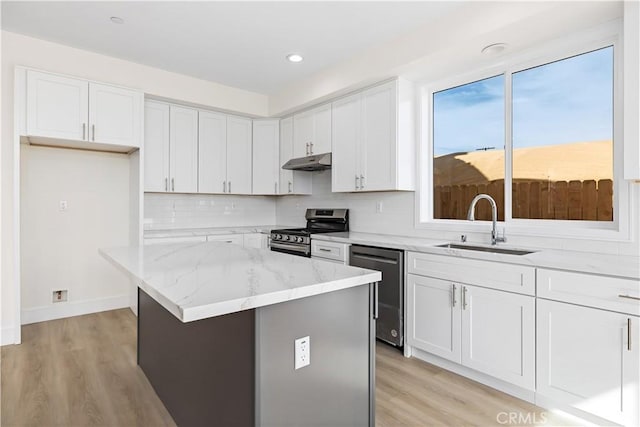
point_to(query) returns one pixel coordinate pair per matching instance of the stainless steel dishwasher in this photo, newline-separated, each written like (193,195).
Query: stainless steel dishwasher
(390,323)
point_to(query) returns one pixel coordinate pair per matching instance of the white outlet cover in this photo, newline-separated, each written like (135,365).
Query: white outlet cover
(63,205)
(302,352)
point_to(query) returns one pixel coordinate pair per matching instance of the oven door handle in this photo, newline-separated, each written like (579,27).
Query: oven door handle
(297,248)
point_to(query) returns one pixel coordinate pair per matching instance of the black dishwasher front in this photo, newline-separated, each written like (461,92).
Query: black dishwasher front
(390,323)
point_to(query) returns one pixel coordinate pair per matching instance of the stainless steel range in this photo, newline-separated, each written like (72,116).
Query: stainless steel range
(297,241)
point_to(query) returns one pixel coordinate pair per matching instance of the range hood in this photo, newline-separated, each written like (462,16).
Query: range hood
(317,162)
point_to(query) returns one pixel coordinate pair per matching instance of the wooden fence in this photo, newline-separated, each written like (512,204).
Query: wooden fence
(570,200)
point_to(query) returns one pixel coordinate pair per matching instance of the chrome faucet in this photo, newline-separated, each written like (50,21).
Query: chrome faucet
(494,216)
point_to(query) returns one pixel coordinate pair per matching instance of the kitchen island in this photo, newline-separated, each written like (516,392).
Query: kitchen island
(217,325)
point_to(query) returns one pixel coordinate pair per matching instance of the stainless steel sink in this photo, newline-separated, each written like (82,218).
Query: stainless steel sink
(491,249)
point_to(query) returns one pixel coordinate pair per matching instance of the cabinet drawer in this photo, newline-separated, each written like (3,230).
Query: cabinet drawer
(609,293)
(330,250)
(506,277)
(182,239)
(236,239)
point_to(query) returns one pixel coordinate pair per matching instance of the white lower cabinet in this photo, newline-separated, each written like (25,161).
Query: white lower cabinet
(255,240)
(236,239)
(589,359)
(181,239)
(490,331)
(498,334)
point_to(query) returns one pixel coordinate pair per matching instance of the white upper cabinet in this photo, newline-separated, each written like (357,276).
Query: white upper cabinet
(183,144)
(312,132)
(239,163)
(114,115)
(380,122)
(57,107)
(212,156)
(291,182)
(75,110)
(156,146)
(345,164)
(266,156)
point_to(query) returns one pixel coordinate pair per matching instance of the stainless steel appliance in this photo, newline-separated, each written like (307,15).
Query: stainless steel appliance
(297,241)
(390,322)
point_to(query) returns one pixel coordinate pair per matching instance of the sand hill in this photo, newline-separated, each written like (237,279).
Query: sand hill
(575,161)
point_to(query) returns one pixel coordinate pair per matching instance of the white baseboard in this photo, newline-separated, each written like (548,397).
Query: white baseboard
(73,308)
(7,336)
(505,387)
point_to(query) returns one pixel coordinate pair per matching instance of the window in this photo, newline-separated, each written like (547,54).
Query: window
(563,139)
(538,139)
(468,148)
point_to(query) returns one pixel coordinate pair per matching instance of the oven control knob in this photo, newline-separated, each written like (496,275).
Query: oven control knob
(286,238)
(278,236)
(300,239)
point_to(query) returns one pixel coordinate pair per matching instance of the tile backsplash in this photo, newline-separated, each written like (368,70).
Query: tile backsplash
(171,211)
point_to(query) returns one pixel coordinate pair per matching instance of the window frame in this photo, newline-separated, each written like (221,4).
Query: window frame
(618,229)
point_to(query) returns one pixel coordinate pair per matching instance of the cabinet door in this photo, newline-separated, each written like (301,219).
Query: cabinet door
(585,360)
(183,144)
(302,134)
(266,156)
(212,152)
(114,115)
(291,182)
(156,146)
(379,154)
(57,107)
(433,316)
(238,155)
(498,334)
(286,154)
(254,240)
(345,139)
(321,140)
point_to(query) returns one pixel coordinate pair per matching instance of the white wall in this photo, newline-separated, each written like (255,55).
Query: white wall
(59,249)
(171,211)
(398,217)
(30,52)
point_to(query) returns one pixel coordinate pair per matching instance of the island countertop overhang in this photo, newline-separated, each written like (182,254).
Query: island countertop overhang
(196,281)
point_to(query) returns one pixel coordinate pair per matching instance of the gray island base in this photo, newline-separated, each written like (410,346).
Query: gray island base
(236,368)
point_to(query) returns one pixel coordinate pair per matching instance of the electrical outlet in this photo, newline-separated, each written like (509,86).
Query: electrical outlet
(59,295)
(63,206)
(302,352)
(379,207)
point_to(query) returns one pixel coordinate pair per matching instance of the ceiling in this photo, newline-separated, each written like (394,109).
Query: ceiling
(240,44)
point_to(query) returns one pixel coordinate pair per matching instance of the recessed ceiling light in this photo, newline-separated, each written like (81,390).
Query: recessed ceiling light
(495,48)
(117,20)
(294,57)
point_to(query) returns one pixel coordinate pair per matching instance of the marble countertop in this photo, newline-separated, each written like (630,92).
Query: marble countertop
(206,279)
(188,232)
(625,266)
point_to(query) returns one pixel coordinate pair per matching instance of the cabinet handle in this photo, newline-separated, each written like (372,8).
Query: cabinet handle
(84,131)
(361,182)
(290,190)
(173,184)
(166,184)
(628,333)
(453,294)
(229,186)
(311,148)
(629,297)
(357,184)
(224,186)
(307,145)
(464,297)
(93,132)
(324,249)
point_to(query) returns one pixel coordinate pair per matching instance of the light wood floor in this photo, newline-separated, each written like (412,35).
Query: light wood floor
(82,371)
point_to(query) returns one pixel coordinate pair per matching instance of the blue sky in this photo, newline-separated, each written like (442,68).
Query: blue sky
(562,102)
